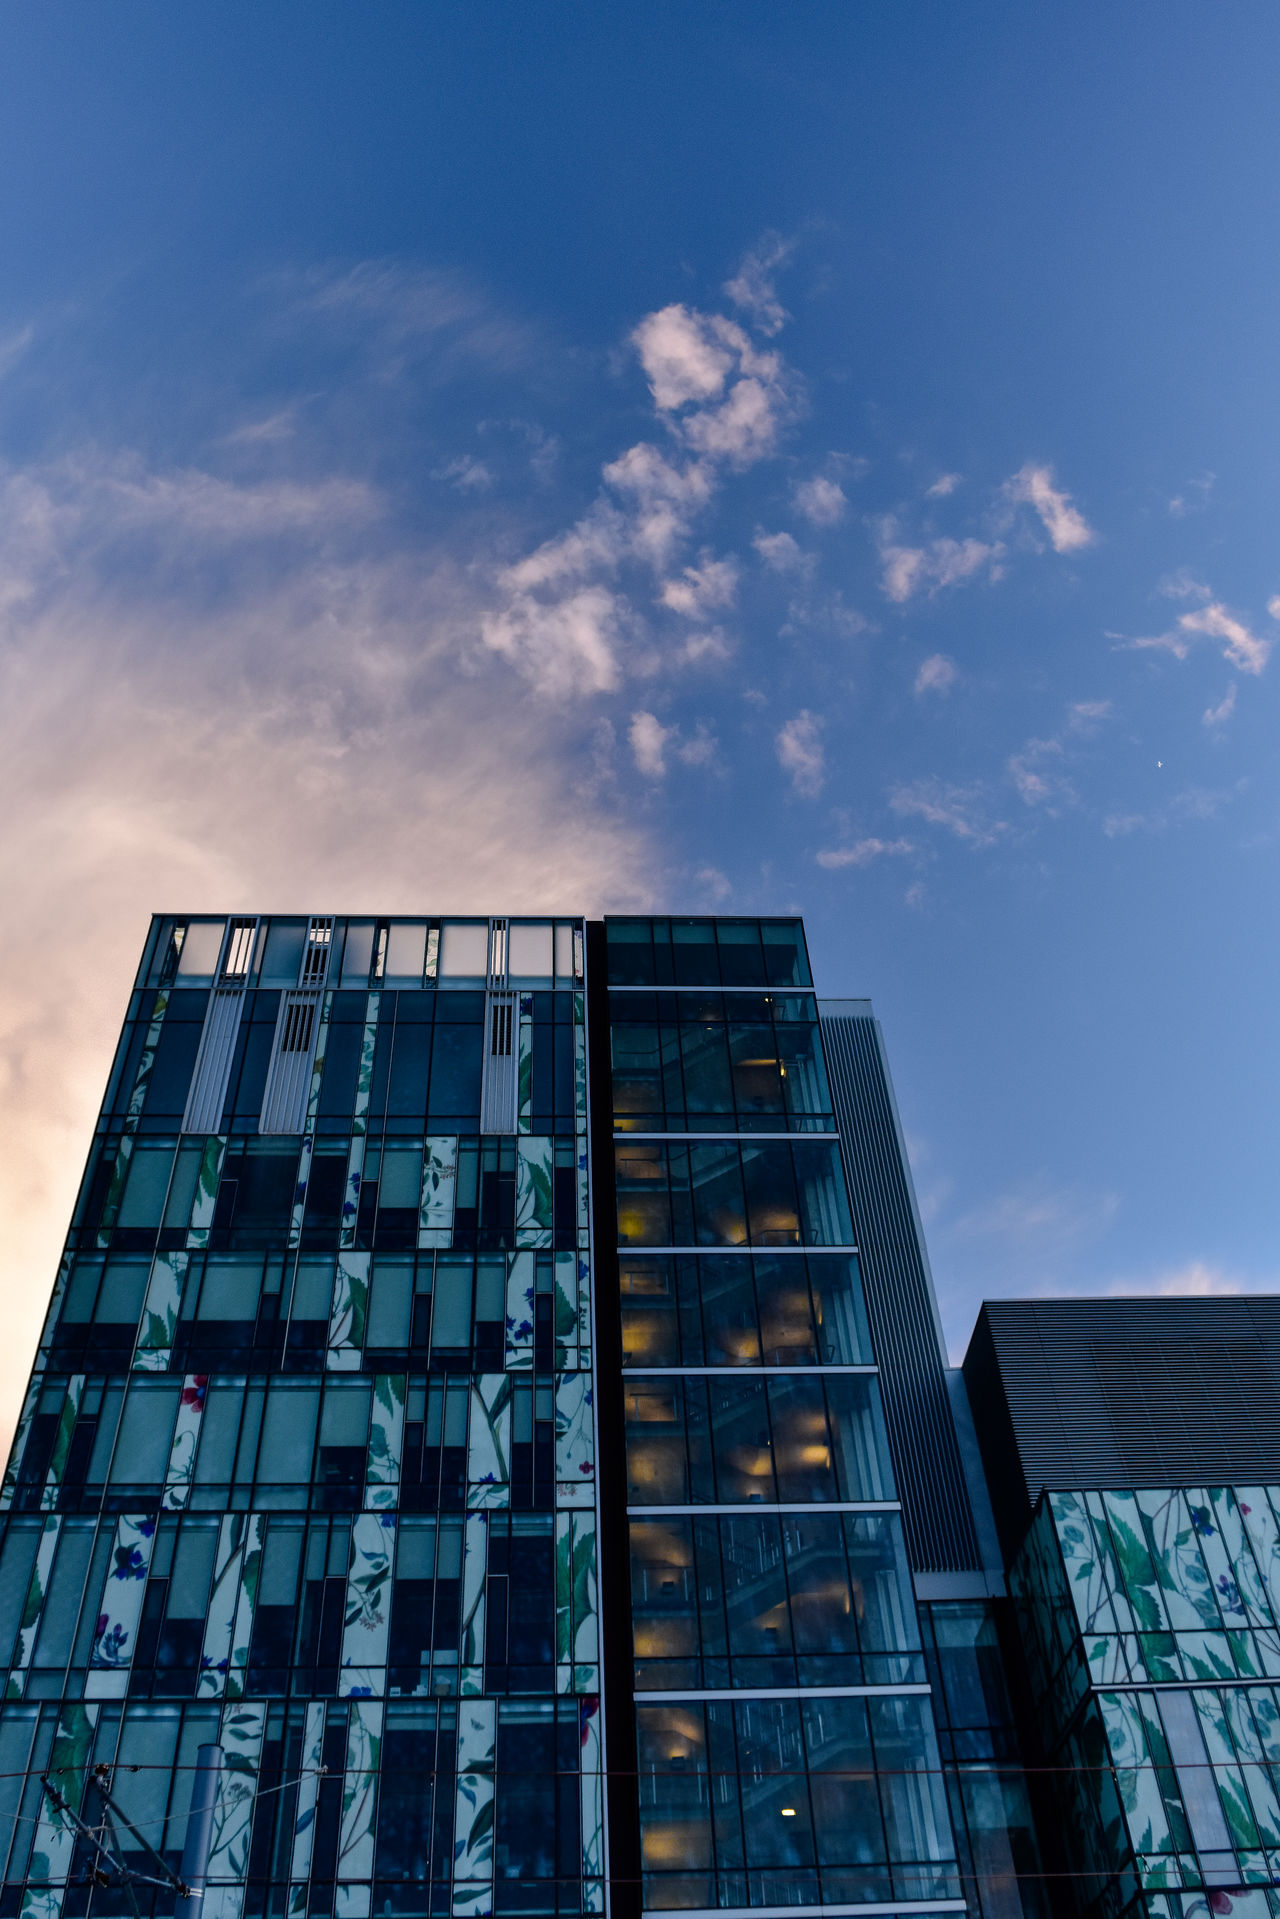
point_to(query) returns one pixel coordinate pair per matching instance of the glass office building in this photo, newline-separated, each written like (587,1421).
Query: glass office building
(460,1403)
(1134,1451)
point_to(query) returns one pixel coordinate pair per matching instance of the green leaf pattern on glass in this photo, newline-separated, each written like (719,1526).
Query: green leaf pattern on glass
(229,1621)
(591,1788)
(317,1061)
(68,1413)
(489,1442)
(575,1441)
(348,1313)
(577,1627)
(521,1277)
(202,1206)
(160,1312)
(115,1190)
(473,1806)
(386,1443)
(351,1191)
(33,1607)
(55,1836)
(364,1070)
(566,1312)
(579,1066)
(186,1437)
(535,1190)
(524,1083)
(305,1153)
(439,1191)
(18,1447)
(475,1550)
(359,1796)
(366,1618)
(304,1822)
(240,1736)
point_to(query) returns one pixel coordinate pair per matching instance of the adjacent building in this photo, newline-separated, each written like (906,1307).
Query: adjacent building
(1133,1455)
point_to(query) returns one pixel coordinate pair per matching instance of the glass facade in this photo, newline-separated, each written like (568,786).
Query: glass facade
(307,1465)
(788,1752)
(1151,1624)
(459,1403)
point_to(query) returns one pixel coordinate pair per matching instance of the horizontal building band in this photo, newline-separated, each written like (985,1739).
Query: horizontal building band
(729,1693)
(738,1372)
(904,1906)
(768,1506)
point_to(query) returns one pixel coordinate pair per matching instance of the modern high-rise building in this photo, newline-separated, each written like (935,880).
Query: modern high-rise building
(493,1393)
(1133,1455)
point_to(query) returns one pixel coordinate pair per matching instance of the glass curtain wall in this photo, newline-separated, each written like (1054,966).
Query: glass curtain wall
(307,1463)
(788,1754)
(1151,1623)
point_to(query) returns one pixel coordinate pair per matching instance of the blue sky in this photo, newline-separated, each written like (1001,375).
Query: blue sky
(723,458)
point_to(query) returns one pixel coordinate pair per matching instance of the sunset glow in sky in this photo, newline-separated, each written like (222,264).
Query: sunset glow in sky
(700,458)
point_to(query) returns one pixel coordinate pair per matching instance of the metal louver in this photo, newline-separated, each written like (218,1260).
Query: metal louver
(221,1027)
(284,1097)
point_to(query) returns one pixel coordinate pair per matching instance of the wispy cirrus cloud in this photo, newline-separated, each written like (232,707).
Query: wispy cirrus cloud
(753,289)
(863,852)
(961,810)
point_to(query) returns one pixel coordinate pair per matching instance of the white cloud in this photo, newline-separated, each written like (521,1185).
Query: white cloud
(700,589)
(432,320)
(1066,526)
(752,288)
(268,431)
(564,648)
(821,501)
(960,809)
(908,570)
(1219,715)
(744,429)
(937,674)
(1083,716)
(715,886)
(1183,584)
(1243,648)
(466,473)
(1036,778)
(782,553)
(1194,496)
(1273,606)
(1038,1218)
(652,743)
(1196,1279)
(209,729)
(943,486)
(708,648)
(686,355)
(648,739)
(863,852)
(800,753)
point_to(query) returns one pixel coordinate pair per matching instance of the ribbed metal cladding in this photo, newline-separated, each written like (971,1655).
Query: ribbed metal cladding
(926,1456)
(1129,1392)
